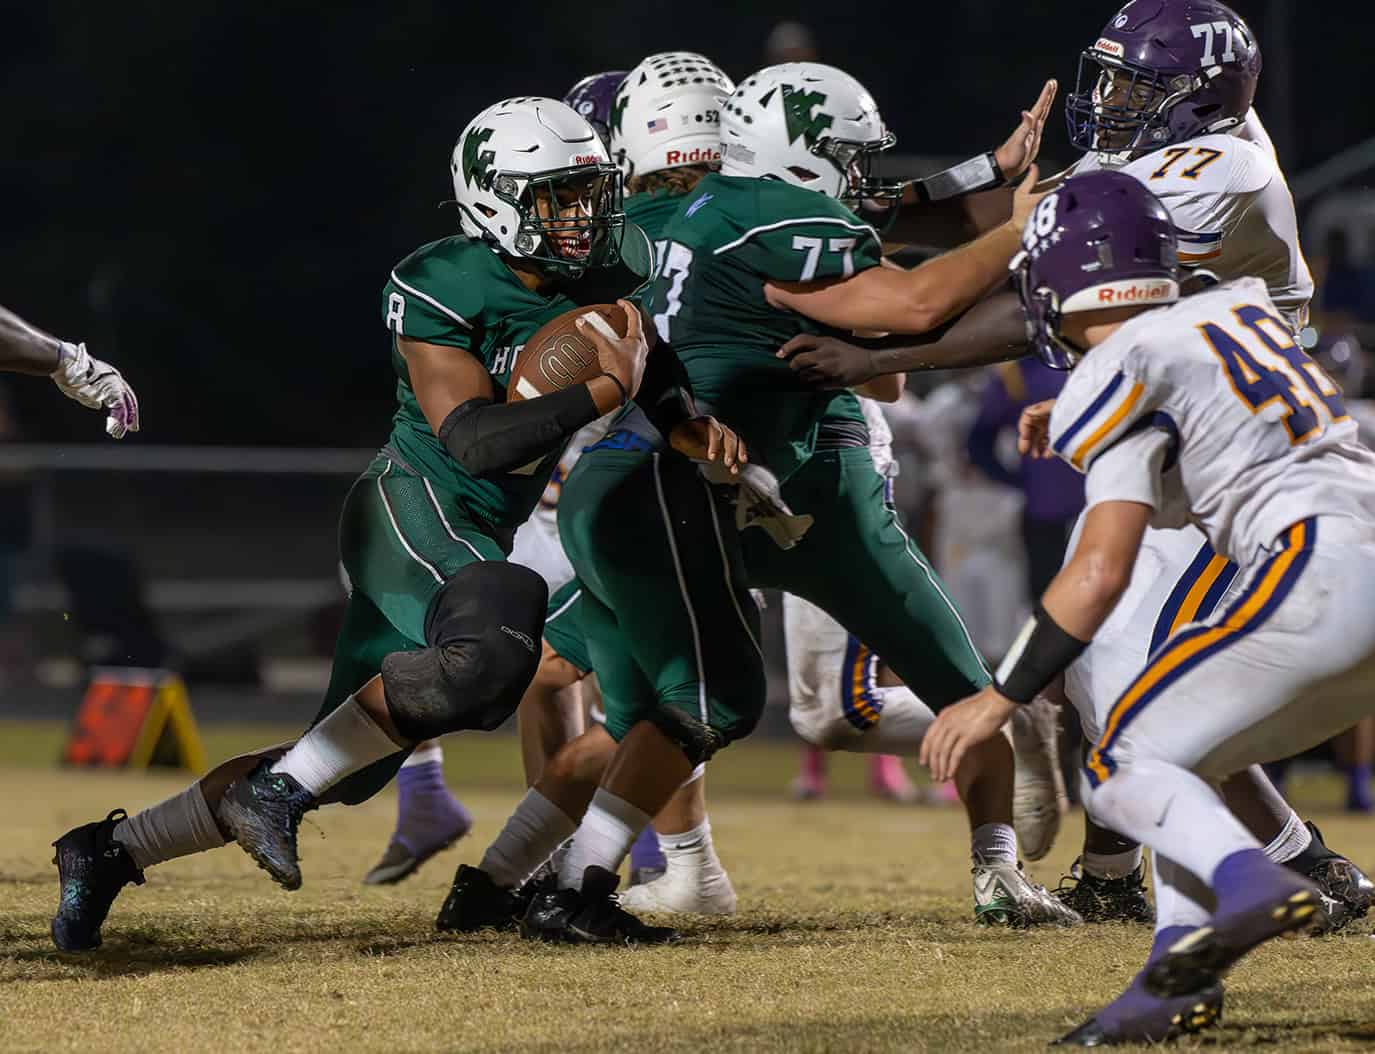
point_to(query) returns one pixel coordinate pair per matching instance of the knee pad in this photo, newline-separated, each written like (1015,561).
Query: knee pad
(483,631)
(698,741)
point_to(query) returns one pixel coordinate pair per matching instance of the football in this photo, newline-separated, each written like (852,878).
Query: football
(560,355)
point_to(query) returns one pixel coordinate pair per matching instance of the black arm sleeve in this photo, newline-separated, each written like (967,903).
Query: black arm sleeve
(490,439)
(665,394)
(993,330)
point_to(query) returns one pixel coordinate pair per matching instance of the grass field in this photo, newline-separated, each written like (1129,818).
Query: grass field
(854,934)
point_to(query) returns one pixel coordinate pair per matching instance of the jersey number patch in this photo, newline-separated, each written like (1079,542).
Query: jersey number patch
(673,263)
(812,247)
(1173,155)
(1274,370)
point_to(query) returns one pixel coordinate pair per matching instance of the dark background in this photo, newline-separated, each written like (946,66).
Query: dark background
(211,195)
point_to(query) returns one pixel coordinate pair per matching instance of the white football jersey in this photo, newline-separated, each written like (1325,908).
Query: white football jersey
(1231,208)
(1210,399)
(880,437)
(536,544)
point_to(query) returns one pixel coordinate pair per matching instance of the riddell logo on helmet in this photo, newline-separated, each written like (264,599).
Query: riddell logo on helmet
(1136,292)
(691,157)
(587,159)
(1109,47)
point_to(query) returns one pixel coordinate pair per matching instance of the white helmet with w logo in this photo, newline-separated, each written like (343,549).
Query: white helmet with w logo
(807,124)
(532,179)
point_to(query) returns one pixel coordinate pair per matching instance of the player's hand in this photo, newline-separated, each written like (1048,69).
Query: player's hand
(1033,430)
(707,439)
(828,362)
(1024,200)
(959,728)
(97,385)
(623,357)
(1024,143)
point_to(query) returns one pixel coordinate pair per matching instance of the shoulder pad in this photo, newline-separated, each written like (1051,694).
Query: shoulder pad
(437,293)
(1105,398)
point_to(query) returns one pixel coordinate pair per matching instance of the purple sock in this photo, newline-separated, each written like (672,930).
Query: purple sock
(428,816)
(1242,872)
(1164,938)
(645,852)
(1358,797)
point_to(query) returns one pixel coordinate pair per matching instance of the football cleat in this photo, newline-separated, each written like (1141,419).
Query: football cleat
(685,891)
(1004,896)
(262,812)
(1106,899)
(1256,901)
(92,868)
(1038,793)
(475,902)
(592,915)
(1138,1017)
(1347,892)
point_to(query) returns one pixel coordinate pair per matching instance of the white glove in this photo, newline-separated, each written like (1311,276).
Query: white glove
(98,385)
(758,503)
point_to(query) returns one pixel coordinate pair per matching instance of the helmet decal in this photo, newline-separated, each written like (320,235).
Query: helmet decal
(797,109)
(476,161)
(618,113)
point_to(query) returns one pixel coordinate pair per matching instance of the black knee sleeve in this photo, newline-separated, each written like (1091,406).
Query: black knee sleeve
(483,631)
(697,741)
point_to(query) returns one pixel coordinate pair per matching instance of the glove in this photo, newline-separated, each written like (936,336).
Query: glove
(758,503)
(98,385)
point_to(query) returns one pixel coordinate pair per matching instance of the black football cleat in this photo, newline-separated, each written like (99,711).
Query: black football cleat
(262,812)
(591,915)
(92,868)
(1136,1017)
(1106,899)
(475,903)
(1347,892)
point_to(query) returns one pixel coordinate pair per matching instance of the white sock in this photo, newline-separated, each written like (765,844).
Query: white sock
(1180,898)
(344,742)
(1292,840)
(902,723)
(179,826)
(534,831)
(608,828)
(1170,810)
(690,850)
(426,752)
(994,843)
(1111,865)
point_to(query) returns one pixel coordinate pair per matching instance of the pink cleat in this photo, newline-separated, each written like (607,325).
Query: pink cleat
(810,784)
(889,780)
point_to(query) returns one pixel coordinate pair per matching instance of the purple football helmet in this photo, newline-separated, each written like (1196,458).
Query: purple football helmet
(592,98)
(1102,240)
(1161,72)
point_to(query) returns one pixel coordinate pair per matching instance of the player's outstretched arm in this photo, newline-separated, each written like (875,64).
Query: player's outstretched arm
(98,385)
(890,299)
(962,202)
(455,394)
(25,348)
(993,330)
(1074,606)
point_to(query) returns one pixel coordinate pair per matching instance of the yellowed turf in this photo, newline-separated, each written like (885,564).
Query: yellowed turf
(853,935)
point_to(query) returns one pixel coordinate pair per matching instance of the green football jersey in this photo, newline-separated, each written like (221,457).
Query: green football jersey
(651,211)
(730,236)
(458,293)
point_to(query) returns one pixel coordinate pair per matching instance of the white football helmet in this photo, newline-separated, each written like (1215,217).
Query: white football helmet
(532,178)
(810,125)
(667,113)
